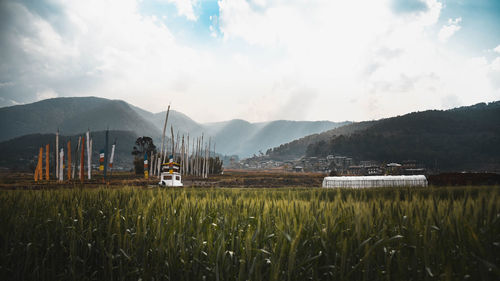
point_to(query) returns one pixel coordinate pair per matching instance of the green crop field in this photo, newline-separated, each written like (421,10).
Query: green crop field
(448,233)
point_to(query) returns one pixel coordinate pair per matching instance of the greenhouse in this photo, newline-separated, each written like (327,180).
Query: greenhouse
(375,181)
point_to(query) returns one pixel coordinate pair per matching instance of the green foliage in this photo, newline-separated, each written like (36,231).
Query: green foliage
(215,165)
(143,145)
(235,234)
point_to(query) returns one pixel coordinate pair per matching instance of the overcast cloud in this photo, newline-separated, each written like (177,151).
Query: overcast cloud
(256,60)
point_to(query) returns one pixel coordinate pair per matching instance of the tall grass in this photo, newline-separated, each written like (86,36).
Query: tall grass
(236,234)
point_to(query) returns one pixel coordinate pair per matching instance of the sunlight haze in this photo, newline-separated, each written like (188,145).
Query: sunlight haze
(255,60)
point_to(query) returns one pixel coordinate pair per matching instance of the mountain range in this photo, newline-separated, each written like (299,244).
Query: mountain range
(465,138)
(75,115)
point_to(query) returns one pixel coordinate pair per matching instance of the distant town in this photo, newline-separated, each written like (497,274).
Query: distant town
(331,164)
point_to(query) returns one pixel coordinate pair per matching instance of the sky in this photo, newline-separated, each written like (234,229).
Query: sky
(256,60)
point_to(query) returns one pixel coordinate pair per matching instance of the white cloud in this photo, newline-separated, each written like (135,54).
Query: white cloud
(186,8)
(495,65)
(111,51)
(6,84)
(450,101)
(46,94)
(213,26)
(449,29)
(386,63)
(7,102)
(353,60)
(497,49)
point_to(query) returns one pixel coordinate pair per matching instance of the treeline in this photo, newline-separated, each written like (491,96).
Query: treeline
(466,138)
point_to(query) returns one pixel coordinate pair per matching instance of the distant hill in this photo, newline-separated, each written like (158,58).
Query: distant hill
(19,153)
(297,148)
(466,138)
(178,120)
(71,116)
(245,139)
(77,114)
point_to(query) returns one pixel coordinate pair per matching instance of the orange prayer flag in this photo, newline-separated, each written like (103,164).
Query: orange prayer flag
(38,169)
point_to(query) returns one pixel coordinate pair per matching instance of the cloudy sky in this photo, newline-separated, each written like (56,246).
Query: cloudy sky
(257,60)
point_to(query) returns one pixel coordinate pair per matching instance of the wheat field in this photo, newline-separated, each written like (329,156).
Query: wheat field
(450,233)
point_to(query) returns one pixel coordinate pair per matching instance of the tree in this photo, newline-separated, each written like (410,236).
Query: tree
(215,165)
(143,145)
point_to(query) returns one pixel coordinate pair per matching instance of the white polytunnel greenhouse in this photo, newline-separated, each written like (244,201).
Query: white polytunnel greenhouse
(375,181)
